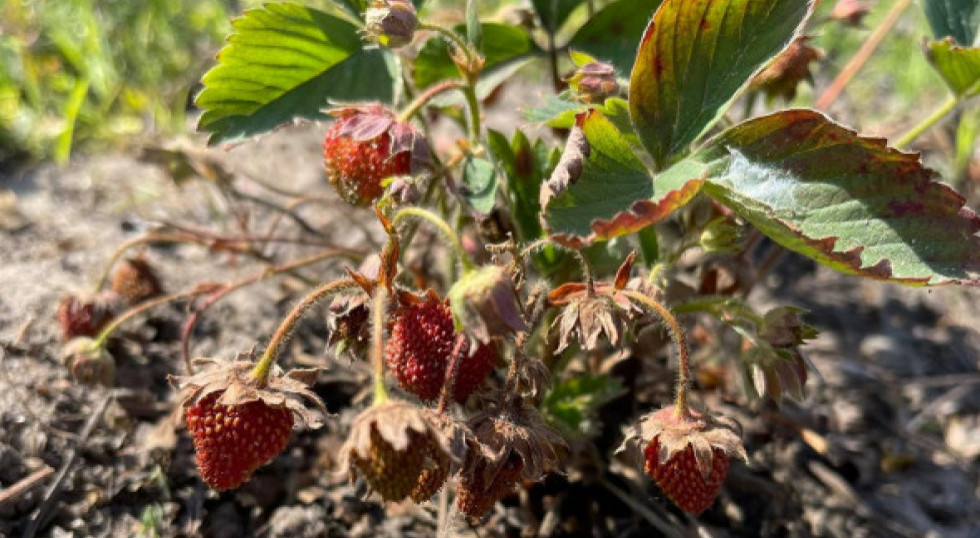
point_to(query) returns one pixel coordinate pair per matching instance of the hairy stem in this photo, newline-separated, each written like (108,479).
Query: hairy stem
(240,284)
(452,372)
(438,222)
(674,328)
(378,307)
(139,309)
(426,96)
(923,126)
(261,371)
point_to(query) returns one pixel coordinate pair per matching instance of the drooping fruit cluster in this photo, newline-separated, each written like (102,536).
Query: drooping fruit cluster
(239,422)
(687,453)
(232,441)
(367,145)
(420,346)
(401,450)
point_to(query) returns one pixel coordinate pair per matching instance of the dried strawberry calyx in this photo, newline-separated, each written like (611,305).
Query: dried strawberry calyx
(674,430)
(590,309)
(237,385)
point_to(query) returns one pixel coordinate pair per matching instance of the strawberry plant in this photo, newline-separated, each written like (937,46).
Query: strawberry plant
(630,225)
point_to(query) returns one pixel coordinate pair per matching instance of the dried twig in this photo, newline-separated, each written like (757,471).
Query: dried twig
(41,514)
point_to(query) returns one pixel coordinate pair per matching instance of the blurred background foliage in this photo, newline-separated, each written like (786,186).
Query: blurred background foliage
(86,74)
(95,72)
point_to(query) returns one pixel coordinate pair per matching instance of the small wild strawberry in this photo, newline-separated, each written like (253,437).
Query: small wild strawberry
(86,315)
(419,348)
(687,453)
(135,281)
(237,423)
(364,146)
(232,441)
(401,450)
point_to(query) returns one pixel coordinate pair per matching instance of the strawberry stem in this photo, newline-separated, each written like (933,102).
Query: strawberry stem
(452,372)
(149,238)
(470,72)
(378,307)
(438,222)
(674,328)
(227,289)
(261,371)
(139,309)
(413,108)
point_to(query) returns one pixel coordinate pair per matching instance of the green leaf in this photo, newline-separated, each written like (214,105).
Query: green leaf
(284,61)
(479,186)
(501,44)
(524,166)
(554,13)
(601,190)
(612,34)
(959,66)
(959,19)
(694,58)
(848,202)
(573,405)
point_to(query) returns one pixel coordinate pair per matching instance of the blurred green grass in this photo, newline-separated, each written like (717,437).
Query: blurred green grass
(88,73)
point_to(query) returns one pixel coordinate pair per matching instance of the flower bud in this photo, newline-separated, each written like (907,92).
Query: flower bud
(484,304)
(719,236)
(391,23)
(594,82)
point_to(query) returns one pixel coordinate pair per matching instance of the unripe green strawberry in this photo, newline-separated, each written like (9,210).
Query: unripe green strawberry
(392,473)
(682,482)
(419,349)
(231,441)
(367,145)
(401,450)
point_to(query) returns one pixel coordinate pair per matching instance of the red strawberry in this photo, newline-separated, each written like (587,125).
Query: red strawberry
(419,349)
(687,454)
(232,441)
(365,146)
(682,482)
(86,316)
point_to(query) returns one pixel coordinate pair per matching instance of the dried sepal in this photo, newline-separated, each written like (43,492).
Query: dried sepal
(674,432)
(518,430)
(590,312)
(781,77)
(508,444)
(233,379)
